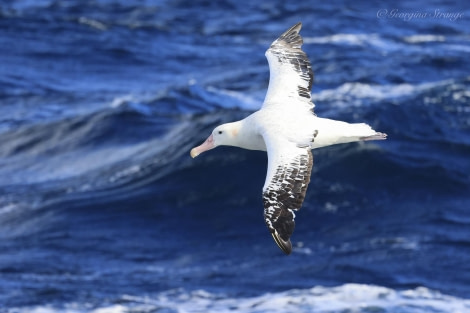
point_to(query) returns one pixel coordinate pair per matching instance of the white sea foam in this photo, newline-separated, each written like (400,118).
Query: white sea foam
(424,38)
(348,39)
(132,170)
(136,102)
(345,298)
(245,100)
(121,100)
(360,40)
(347,94)
(353,93)
(385,44)
(92,23)
(7,208)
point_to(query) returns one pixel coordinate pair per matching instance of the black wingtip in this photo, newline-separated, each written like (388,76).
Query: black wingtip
(285,246)
(294,29)
(291,37)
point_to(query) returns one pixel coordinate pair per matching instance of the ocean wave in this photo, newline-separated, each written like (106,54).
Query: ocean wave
(354,93)
(344,298)
(103,210)
(416,39)
(204,97)
(106,152)
(140,139)
(351,39)
(390,44)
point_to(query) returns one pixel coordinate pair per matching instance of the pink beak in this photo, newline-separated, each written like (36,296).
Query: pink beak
(207,145)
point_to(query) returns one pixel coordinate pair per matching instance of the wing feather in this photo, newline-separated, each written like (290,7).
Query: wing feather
(291,74)
(289,170)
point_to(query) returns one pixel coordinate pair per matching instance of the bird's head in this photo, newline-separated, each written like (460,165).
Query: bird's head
(222,135)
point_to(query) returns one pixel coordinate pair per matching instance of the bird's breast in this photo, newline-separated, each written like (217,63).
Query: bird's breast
(255,142)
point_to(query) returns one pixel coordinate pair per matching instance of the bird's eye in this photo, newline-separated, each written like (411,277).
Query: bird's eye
(220,132)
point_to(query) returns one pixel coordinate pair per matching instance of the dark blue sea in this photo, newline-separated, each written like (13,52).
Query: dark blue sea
(103,210)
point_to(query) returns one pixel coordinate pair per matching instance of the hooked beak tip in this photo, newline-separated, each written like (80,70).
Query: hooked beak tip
(194,153)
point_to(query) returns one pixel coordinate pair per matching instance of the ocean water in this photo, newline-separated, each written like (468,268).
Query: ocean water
(102,209)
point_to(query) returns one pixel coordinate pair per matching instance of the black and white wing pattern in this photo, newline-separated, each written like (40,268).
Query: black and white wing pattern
(291,74)
(289,170)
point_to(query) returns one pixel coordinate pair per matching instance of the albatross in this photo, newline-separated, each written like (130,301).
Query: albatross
(288,129)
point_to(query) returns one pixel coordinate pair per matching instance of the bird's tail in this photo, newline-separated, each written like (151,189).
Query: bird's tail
(364,132)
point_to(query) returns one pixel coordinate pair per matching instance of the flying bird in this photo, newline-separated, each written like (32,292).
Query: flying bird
(287,128)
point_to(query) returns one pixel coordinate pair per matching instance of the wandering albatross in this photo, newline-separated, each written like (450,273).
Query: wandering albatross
(287,128)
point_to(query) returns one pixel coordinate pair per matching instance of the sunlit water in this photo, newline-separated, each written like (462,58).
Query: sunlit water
(102,209)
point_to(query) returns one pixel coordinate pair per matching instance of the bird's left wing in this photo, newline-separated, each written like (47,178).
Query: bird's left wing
(288,175)
(290,72)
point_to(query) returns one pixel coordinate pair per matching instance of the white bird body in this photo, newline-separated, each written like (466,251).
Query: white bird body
(295,128)
(288,130)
